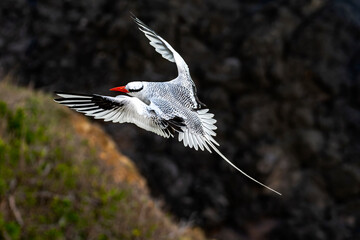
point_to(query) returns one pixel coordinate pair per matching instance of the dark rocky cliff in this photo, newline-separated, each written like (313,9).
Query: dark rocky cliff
(282,77)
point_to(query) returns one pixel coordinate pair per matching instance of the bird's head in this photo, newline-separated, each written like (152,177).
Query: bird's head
(132,88)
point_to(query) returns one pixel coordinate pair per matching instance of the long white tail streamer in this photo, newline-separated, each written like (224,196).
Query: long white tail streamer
(228,161)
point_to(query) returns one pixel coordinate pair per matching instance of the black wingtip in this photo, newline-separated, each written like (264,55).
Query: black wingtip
(137,20)
(132,15)
(57,99)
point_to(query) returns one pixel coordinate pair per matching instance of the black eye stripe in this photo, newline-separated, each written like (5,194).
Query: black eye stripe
(137,90)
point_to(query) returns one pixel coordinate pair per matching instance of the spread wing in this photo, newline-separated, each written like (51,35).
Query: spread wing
(160,45)
(119,109)
(165,49)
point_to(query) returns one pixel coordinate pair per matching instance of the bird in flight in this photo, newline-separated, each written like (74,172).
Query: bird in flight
(165,108)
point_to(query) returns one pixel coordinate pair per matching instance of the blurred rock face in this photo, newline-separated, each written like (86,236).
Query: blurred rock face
(282,77)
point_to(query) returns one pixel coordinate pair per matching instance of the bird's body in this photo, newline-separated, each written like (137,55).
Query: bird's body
(164,108)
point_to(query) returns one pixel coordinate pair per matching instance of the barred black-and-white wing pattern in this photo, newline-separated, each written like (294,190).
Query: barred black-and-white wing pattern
(119,109)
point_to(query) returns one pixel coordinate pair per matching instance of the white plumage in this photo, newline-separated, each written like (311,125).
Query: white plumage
(164,108)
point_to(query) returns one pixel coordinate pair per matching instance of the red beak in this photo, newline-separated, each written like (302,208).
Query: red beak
(120,89)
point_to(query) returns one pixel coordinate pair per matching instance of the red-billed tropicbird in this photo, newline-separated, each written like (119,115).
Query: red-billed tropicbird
(160,107)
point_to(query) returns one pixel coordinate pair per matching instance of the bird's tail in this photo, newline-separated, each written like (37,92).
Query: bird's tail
(228,161)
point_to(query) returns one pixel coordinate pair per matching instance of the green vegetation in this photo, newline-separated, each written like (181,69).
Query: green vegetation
(52,186)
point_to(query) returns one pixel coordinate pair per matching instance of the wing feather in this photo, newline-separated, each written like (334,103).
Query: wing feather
(164,48)
(160,45)
(117,109)
(167,51)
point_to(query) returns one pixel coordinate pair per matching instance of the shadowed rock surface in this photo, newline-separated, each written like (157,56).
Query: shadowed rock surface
(282,77)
